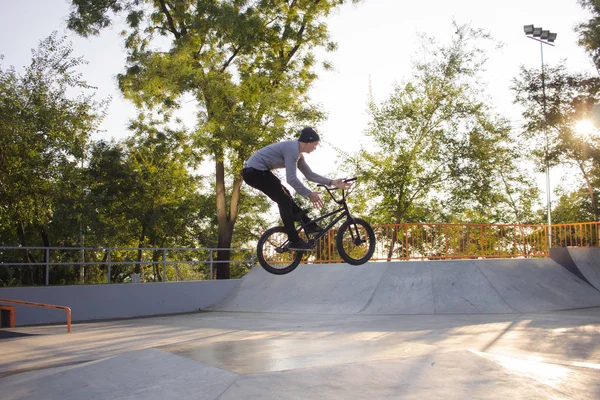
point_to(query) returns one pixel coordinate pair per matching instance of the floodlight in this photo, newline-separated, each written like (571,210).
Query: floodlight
(544,37)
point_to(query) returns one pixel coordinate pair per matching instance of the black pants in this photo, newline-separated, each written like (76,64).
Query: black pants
(270,185)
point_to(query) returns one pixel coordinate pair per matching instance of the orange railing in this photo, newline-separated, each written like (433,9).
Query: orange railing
(465,241)
(28,303)
(584,234)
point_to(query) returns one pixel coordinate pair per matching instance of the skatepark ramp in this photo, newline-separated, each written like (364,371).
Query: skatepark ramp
(584,262)
(414,287)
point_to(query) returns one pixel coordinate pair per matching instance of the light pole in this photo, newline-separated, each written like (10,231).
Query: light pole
(544,37)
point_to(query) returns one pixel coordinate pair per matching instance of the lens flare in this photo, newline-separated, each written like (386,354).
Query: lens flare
(585,128)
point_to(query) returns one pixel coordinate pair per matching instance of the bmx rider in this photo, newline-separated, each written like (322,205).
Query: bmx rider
(289,155)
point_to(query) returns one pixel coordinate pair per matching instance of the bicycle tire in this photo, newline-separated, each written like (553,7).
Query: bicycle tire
(282,265)
(370,235)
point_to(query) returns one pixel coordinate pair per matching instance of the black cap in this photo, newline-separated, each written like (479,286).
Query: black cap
(308,135)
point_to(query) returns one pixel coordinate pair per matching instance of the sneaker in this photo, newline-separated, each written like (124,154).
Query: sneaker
(300,245)
(312,228)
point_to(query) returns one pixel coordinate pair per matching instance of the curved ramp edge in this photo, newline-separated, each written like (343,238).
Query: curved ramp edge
(565,257)
(585,260)
(416,287)
(538,284)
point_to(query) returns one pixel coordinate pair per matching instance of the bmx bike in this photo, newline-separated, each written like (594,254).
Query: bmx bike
(355,240)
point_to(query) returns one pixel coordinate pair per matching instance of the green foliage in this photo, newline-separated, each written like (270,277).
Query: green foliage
(143,189)
(249,66)
(43,131)
(573,207)
(589,32)
(441,153)
(551,116)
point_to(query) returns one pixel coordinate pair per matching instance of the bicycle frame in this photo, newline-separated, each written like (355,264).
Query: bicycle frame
(343,210)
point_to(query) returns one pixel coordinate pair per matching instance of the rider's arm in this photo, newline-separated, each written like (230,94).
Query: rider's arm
(310,175)
(292,178)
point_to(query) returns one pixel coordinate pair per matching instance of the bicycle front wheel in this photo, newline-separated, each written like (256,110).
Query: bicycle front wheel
(272,252)
(355,241)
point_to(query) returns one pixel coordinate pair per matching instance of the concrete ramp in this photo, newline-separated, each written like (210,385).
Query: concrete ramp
(582,261)
(533,285)
(312,288)
(142,374)
(435,287)
(417,287)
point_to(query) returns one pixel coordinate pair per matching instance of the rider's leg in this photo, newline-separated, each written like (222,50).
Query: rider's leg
(309,227)
(270,185)
(295,207)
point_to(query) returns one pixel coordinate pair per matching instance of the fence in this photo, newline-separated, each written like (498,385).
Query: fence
(410,241)
(114,265)
(394,242)
(585,234)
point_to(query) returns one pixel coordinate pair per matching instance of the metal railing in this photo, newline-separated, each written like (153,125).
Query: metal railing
(41,305)
(584,234)
(413,241)
(165,264)
(394,242)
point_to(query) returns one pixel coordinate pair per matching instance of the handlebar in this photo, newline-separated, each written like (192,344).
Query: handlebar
(336,188)
(330,189)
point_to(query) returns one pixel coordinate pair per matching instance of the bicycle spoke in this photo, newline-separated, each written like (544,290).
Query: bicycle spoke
(350,246)
(272,256)
(356,241)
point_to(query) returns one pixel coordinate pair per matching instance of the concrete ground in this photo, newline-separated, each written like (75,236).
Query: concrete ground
(252,355)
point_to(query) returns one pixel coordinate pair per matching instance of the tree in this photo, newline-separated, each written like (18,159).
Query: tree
(551,116)
(573,207)
(589,32)
(46,116)
(143,188)
(440,150)
(248,65)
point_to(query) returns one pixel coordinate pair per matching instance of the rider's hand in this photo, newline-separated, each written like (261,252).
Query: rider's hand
(340,184)
(315,197)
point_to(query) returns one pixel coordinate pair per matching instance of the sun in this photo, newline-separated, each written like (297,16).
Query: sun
(585,128)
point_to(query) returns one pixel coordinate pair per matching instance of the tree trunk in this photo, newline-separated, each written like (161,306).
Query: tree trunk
(138,266)
(21,233)
(394,238)
(226,218)
(590,191)
(46,243)
(45,238)
(155,266)
(593,199)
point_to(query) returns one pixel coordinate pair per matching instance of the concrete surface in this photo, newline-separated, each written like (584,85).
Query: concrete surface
(94,302)
(219,355)
(419,287)
(483,329)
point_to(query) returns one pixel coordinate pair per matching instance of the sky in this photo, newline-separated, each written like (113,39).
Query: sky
(377,40)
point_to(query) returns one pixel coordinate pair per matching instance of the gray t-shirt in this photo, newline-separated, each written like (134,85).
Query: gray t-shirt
(286,155)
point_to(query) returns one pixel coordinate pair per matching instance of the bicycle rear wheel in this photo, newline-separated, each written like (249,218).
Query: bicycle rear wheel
(272,252)
(355,241)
